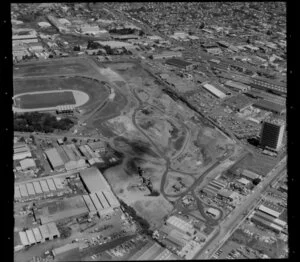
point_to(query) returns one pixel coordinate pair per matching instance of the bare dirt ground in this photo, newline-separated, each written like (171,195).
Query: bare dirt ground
(174,179)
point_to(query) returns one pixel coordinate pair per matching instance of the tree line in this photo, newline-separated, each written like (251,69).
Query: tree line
(40,122)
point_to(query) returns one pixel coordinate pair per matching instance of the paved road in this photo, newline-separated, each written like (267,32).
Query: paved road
(237,215)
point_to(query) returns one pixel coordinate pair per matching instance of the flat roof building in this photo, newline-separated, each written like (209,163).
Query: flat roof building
(271,135)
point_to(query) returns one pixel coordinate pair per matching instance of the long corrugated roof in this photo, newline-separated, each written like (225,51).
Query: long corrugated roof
(94,180)
(37,234)
(30,236)
(23,238)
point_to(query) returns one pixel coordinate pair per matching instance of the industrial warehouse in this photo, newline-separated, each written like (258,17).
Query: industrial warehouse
(66,156)
(100,200)
(38,188)
(37,235)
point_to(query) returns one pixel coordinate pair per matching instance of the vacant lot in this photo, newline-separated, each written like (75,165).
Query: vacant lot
(55,67)
(45,100)
(177,183)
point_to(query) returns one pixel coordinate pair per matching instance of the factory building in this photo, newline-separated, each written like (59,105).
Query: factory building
(271,209)
(249,175)
(90,155)
(270,106)
(39,234)
(213,187)
(259,221)
(226,195)
(94,180)
(38,187)
(54,158)
(27,163)
(116,45)
(167,55)
(178,238)
(98,147)
(180,224)
(153,251)
(271,135)
(21,151)
(214,91)
(239,102)
(66,248)
(180,63)
(101,202)
(239,87)
(66,156)
(62,209)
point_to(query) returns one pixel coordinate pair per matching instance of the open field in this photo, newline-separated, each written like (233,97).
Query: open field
(54,67)
(96,91)
(38,100)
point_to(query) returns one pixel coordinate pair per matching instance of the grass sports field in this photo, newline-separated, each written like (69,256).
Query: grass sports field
(96,91)
(29,101)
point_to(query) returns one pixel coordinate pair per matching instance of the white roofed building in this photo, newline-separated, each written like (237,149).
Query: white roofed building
(27,163)
(214,91)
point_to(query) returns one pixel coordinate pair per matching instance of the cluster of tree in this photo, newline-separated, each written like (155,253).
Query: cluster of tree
(40,122)
(145,226)
(122,31)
